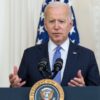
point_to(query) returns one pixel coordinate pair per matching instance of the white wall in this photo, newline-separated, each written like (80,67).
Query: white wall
(18,26)
(4,42)
(88,20)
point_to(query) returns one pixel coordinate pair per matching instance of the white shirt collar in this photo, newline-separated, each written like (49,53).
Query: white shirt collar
(52,46)
(65,45)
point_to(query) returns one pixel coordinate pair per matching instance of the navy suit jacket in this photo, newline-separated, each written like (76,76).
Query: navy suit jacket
(78,58)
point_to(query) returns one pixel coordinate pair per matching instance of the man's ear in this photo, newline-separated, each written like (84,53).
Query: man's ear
(70,21)
(45,25)
(71,24)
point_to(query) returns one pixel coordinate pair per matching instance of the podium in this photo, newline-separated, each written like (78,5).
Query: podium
(71,93)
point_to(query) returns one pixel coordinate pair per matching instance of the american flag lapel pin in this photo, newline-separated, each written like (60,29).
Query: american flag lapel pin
(74,53)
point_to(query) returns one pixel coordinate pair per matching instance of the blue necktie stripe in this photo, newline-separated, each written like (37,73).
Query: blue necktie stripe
(57,54)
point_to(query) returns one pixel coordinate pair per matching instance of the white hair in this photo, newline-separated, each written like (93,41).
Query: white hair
(57,4)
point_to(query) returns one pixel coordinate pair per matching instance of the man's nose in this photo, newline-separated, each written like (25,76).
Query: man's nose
(56,25)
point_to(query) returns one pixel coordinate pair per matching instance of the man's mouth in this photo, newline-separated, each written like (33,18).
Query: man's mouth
(56,33)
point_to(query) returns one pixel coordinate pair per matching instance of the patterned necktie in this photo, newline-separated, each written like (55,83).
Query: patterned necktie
(57,54)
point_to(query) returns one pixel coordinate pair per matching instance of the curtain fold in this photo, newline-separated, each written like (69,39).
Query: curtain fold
(18,27)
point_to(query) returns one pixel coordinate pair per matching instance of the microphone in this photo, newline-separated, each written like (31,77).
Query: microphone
(57,67)
(42,67)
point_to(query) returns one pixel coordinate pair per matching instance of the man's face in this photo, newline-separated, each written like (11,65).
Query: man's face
(57,24)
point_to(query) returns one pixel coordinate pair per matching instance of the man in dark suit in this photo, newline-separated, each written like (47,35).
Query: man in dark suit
(79,63)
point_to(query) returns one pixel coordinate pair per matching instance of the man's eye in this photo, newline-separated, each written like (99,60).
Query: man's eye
(62,21)
(51,21)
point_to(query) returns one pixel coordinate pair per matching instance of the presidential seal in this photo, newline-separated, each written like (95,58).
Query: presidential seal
(46,89)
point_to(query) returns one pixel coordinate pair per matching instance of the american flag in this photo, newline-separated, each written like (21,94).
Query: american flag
(42,35)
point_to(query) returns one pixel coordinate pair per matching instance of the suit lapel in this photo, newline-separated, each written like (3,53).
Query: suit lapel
(45,54)
(70,69)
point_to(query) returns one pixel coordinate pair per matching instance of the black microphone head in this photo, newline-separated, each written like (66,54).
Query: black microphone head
(42,64)
(58,65)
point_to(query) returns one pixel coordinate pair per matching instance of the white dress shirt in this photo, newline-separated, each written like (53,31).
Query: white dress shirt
(64,53)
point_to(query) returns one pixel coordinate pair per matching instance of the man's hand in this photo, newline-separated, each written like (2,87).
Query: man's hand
(14,79)
(77,81)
